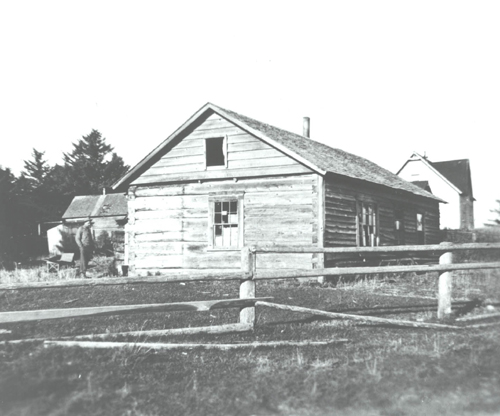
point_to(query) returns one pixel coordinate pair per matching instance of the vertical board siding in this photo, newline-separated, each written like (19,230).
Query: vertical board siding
(169,229)
(247,156)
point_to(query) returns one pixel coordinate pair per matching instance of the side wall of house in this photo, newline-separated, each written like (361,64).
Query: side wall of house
(341,199)
(466,213)
(450,212)
(169,225)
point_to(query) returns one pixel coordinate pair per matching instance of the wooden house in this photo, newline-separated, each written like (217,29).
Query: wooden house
(223,180)
(449,180)
(109,215)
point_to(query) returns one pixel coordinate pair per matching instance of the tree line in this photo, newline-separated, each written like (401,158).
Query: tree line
(41,193)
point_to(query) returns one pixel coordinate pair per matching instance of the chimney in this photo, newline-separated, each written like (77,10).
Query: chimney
(306,127)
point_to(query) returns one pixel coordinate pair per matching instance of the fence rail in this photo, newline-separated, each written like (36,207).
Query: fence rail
(249,275)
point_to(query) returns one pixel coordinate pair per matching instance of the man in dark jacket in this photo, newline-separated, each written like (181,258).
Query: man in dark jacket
(85,243)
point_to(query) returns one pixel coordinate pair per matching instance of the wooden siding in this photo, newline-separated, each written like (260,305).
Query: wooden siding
(341,197)
(247,156)
(168,224)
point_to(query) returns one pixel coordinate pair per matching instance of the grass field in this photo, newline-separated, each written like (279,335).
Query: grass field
(382,370)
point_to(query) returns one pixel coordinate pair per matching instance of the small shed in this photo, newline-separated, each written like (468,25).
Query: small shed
(223,180)
(449,180)
(109,215)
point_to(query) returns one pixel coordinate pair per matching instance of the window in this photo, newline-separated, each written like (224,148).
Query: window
(215,151)
(225,222)
(420,228)
(399,226)
(367,224)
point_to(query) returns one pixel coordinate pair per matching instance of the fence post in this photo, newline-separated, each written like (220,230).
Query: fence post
(247,286)
(445,285)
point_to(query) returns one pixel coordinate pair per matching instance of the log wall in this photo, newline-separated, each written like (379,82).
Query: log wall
(168,225)
(341,196)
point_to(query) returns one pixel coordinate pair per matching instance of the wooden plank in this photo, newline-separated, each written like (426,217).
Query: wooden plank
(259,163)
(189,159)
(156,170)
(182,276)
(253,154)
(284,261)
(48,314)
(251,144)
(181,151)
(382,249)
(364,319)
(177,213)
(223,173)
(292,183)
(214,132)
(243,137)
(351,271)
(153,346)
(216,329)
(171,202)
(478,317)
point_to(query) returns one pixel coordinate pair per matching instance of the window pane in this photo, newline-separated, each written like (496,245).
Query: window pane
(226,236)
(225,206)
(234,207)
(217,218)
(234,236)
(224,217)
(218,207)
(233,218)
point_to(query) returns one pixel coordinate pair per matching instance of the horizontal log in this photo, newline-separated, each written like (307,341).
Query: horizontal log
(478,317)
(380,249)
(190,276)
(216,329)
(223,174)
(199,306)
(350,271)
(152,346)
(485,325)
(360,318)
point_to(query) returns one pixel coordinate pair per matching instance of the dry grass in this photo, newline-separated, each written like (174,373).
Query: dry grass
(381,371)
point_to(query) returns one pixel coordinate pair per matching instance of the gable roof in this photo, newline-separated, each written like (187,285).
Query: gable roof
(317,156)
(94,206)
(458,173)
(423,185)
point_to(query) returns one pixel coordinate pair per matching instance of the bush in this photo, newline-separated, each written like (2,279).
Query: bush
(488,234)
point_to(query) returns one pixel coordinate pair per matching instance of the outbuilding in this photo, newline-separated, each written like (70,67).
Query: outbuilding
(223,180)
(108,214)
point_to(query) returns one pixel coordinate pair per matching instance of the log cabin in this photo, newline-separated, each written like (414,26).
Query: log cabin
(223,180)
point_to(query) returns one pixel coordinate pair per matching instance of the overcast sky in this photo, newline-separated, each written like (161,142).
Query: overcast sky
(378,78)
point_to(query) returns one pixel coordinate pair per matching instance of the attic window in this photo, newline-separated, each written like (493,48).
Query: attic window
(215,151)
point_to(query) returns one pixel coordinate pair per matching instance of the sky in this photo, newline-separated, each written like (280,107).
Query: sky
(379,79)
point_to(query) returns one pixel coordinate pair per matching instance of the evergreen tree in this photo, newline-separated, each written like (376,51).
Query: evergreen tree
(91,166)
(495,221)
(36,170)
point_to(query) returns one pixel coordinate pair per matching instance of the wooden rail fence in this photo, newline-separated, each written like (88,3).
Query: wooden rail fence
(249,275)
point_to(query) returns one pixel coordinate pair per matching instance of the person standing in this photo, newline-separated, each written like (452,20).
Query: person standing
(85,243)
